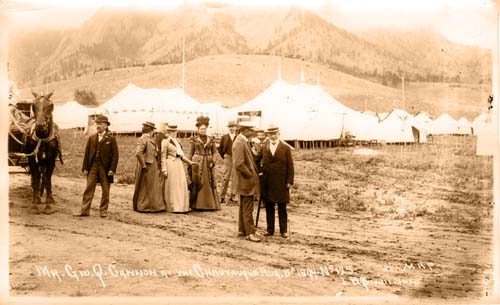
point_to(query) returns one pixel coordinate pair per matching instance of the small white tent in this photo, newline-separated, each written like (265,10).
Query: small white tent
(464,126)
(363,126)
(423,122)
(70,115)
(396,127)
(444,125)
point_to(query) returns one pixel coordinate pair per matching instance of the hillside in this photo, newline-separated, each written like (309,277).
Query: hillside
(119,38)
(234,79)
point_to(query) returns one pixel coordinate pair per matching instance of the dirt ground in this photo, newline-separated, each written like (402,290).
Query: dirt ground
(418,237)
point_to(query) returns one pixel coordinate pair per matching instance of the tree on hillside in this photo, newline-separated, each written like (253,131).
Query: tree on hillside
(85,97)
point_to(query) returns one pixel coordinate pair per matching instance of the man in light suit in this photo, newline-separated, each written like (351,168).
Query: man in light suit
(99,164)
(246,181)
(278,177)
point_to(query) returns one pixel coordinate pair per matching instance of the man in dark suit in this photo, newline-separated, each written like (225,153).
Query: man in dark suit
(99,164)
(246,181)
(278,172)
(226,152)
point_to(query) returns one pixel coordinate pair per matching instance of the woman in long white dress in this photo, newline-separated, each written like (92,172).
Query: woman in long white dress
(175,191)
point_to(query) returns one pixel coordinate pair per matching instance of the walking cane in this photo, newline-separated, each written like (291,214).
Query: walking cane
(258,212)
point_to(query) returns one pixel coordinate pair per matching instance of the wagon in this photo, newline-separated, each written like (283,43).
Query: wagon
(18,162)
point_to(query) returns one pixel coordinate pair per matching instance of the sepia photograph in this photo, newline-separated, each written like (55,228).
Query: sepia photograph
(247,152)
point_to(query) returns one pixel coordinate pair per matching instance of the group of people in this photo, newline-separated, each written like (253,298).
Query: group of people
(257,165)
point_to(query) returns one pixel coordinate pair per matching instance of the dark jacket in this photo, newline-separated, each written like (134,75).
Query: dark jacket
(278,171)
(246,178)
(108,152)
(226,146)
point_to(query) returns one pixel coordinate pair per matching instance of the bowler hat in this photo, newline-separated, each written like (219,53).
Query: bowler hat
(102,119)
(149,124)
(272,129)
(231,124)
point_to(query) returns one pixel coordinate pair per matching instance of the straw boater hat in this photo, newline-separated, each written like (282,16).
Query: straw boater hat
(149,124)
(259,130)
(172,127)
(245,125)
(272,129)
(162,127)
(231,124)
(102,119)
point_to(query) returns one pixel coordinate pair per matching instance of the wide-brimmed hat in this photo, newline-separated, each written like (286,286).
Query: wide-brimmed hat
(149,124)
(202,120)
(272,129)
(102,119)
(162,127)
(231,124)
(245,125)
(171,127)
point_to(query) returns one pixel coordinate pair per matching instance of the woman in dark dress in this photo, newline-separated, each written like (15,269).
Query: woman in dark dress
(202,151)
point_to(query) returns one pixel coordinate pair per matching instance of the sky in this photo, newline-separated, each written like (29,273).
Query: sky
(469,22)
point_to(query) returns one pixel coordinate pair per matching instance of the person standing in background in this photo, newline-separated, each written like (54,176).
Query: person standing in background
(226,151)
(147,193)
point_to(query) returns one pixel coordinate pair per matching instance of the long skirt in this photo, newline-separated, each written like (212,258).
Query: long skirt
(176,191)
(147,193)
(207,198)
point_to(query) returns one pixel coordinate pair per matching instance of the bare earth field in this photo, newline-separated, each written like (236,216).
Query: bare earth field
(413,221)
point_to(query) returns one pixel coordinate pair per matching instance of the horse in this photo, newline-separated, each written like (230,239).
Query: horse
(42,147)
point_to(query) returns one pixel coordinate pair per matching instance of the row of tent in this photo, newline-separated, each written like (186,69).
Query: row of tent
(303,112)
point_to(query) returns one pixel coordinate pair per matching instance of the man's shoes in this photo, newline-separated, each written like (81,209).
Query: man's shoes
(104,214)
(80,215)
(241,234)
(267,234)
(253,237)
(284,235)
(222,200)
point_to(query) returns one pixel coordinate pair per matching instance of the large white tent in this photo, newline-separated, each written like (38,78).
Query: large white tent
(70,115)
(132,106)
(444,125)
(302,111)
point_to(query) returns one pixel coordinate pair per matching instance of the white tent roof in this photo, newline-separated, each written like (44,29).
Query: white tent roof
(444,124)
(302,111)
(70,115)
